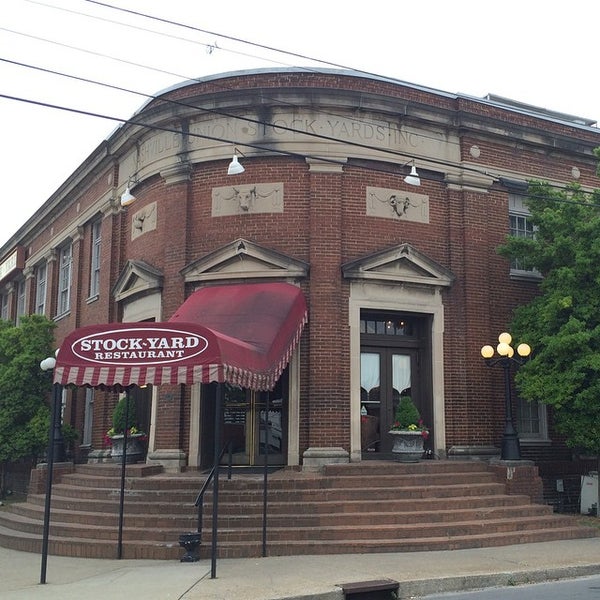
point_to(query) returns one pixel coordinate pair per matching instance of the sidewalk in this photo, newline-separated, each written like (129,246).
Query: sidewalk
(298,577)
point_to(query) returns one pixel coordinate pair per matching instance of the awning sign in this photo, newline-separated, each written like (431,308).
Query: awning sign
(137,346)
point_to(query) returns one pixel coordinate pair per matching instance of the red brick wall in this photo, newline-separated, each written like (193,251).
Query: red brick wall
(324,224)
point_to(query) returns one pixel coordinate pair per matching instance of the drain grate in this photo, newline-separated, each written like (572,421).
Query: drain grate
(378,589)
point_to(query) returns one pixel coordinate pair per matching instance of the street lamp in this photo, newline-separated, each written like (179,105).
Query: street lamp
(511,449)
(56,436)
(55,452)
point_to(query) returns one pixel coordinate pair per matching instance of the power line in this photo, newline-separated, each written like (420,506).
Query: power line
(212,47)
(228,37)
(221,113)
(150,68)
(210,111)
(277,151)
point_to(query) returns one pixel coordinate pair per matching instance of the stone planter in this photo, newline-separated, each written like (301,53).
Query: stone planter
(408,445)
(136,448)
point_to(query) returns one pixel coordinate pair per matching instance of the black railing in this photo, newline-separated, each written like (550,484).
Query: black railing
(199,503)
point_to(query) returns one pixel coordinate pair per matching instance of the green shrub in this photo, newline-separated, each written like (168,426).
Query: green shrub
(118,417)
(407,415)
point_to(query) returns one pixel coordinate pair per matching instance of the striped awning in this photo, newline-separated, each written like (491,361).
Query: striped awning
(243,334)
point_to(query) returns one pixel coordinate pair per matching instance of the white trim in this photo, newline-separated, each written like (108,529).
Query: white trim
(397,298)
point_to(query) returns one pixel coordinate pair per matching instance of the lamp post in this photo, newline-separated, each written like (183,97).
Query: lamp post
(511,449)
(55,451)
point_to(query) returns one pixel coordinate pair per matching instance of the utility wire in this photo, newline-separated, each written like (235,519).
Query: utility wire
(188,133)
(211,47)
(228,37)
(155,69)
(221,113)
(275,150)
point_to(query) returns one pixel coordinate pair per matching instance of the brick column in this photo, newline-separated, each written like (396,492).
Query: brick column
(170,446)
(328,408)
(520,477)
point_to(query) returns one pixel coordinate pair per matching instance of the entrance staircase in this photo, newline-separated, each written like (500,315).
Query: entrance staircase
(352,508)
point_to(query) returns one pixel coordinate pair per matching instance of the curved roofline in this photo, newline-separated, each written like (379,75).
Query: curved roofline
(489,100)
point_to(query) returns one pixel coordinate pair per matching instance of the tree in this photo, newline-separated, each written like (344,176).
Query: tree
(562,324)
(24,388)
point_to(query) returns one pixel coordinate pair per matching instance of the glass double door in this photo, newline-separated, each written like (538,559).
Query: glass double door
(386,374)
(253,424)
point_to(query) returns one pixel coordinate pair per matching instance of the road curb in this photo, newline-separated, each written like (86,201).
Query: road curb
(419,588)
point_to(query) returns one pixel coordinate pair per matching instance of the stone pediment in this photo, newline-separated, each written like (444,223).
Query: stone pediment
(242,259)
(137,278)
(402,264)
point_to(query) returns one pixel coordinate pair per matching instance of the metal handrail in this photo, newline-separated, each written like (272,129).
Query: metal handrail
(199,503)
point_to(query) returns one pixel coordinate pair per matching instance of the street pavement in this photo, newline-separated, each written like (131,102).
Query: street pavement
(294,577)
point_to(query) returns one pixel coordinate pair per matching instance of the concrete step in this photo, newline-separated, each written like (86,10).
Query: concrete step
(368,507)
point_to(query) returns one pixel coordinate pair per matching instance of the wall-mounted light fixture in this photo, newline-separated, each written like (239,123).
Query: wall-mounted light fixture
(413,177)
(235,168)
(127,197)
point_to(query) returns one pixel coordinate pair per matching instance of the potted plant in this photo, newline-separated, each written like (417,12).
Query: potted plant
(409,431)
(115,436)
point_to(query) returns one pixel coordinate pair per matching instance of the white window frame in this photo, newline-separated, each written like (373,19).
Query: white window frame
(517,209)
(5,306)
(41,280)
(96,230)
(21,299)
(65,271)
(541,417)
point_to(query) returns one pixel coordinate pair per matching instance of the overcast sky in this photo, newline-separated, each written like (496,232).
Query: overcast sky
(541,53)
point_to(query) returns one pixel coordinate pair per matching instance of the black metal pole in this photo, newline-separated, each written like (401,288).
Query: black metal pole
(123,466)
(217,460)
(511,449)
(59,442)
(56,399)
(266,476)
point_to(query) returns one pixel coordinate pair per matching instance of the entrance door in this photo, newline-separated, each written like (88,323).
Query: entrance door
(395,361)
(385,375)
(254,423)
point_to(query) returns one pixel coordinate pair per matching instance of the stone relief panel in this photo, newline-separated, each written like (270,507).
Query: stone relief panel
(143,220)
(247,199)
(397,204)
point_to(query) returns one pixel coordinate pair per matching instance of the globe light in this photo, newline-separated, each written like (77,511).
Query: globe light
(48,363)
(505,338)
(503,348)
(487,351)
(523,350)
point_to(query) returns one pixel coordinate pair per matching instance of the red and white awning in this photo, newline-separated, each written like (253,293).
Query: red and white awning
(243,334)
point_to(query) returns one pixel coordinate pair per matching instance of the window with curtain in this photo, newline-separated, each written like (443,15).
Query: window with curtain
(400,375)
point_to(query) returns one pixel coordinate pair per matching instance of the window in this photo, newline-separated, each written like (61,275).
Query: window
(40,290)
(88,417)
(5,308)
(520,226)
(64,281)
(531,420)
(387,324)
(95,261)
(20,286)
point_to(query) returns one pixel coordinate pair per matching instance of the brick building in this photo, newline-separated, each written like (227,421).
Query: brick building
(402,282)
